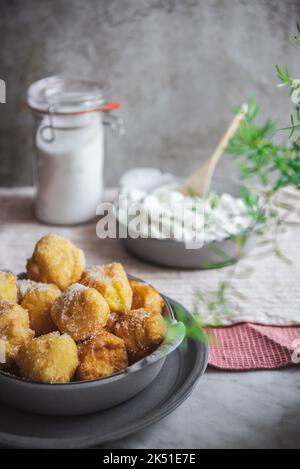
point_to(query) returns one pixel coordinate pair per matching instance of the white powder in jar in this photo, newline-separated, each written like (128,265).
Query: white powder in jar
(69,169)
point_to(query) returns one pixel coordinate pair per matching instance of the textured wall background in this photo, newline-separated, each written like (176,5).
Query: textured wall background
(178,68)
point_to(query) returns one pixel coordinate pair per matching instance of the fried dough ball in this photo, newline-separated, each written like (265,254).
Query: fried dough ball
(56,260)
(112,320)
(147,297)
(112,282)
(8,287)
(24,286)
(141,331)
(80,312)
(100,356)
(50,358)
(14,331)
(38,299)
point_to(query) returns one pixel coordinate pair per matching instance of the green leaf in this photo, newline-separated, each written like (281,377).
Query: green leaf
(193,327)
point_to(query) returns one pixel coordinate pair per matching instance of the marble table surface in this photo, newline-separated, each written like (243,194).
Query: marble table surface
(257,409)
(226,410)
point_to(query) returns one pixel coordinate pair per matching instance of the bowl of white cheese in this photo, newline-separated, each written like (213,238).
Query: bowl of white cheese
(160,225)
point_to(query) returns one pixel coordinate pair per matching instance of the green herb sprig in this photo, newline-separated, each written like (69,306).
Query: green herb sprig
(269,167)
(286,80)
(269,164)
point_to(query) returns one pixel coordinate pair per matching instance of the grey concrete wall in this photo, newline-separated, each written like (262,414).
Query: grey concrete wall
(178,68)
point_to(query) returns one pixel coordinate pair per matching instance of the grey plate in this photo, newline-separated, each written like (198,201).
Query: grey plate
(173,385)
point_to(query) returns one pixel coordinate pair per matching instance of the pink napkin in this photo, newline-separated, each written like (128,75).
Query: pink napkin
(250,346)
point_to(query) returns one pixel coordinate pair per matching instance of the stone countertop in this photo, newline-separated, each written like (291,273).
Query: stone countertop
(258,409)
(255,409)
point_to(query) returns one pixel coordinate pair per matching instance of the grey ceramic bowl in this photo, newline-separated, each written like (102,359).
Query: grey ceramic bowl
(175,254)
(85,397)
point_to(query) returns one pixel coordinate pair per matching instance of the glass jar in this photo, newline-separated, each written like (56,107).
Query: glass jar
(69,147)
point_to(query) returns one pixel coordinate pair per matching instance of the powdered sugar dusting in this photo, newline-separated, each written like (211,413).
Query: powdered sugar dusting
(64,301)
(4,305)
(26,286)
(75,288)
(96,273)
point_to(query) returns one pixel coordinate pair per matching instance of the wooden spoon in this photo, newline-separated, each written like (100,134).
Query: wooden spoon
(199,182)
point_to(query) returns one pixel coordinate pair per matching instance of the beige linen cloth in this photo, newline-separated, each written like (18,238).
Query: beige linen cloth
(272,290)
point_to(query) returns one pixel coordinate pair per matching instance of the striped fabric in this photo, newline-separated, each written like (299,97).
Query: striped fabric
(250,346)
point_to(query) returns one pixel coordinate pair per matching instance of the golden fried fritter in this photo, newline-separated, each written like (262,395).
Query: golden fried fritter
(112,282)
(147,297)
(24,286)
(14,331)
(80,312)
(112,320)
(56,260)
(100,356)
(141,331)
(38,299)
(8,287)
(50,358)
